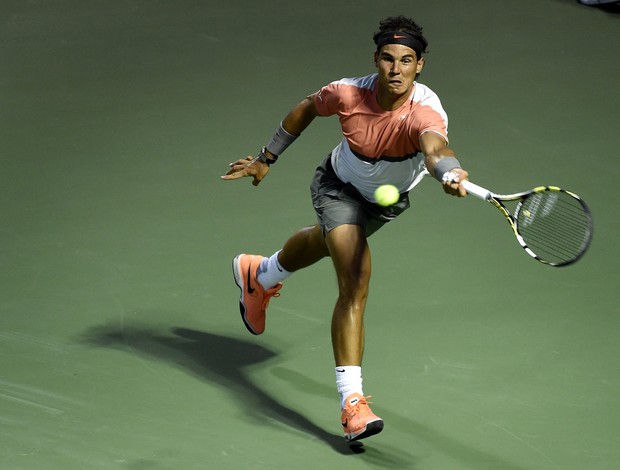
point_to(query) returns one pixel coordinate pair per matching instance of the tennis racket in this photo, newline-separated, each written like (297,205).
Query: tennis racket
(554,226)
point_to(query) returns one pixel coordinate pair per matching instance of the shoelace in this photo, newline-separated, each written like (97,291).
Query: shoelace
(362,401)
(268,295)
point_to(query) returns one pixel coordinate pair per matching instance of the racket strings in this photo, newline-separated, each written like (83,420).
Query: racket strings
(554,249)
(567,226)
(555,225)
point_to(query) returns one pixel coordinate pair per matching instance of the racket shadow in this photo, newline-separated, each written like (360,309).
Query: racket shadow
(217,359)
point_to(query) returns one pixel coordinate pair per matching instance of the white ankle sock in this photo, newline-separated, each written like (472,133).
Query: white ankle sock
(270,272)
(348,381)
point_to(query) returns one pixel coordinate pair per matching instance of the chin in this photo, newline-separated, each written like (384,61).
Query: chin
(402,90)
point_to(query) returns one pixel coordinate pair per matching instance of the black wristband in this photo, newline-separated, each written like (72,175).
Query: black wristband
(262,156)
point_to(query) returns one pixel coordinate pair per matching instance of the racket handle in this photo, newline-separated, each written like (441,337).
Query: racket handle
(476,190)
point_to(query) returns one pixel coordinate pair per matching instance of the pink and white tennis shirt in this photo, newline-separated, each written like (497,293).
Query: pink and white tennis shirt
(380,147)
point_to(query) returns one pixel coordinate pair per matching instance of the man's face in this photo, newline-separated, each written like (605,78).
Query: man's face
(398,67)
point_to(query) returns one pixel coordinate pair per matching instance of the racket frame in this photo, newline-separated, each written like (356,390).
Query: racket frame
(497,201)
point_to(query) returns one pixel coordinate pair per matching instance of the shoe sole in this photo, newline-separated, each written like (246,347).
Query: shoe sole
(372,428)
(239,281)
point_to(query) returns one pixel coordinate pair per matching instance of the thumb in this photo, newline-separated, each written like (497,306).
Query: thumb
(260,174)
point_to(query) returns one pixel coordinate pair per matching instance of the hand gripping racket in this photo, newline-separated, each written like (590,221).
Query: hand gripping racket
(554,226)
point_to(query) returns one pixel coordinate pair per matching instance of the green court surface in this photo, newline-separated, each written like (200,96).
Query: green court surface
(121,345)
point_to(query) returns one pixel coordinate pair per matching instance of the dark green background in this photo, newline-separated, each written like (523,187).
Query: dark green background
(120,339)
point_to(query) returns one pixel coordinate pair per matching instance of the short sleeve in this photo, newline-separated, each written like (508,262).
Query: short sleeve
(327,100)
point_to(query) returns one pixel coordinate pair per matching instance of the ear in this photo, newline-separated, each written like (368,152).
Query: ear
(376,59)
(420,65)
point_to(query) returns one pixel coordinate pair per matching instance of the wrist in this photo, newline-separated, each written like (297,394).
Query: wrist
(267,157)
(445,165)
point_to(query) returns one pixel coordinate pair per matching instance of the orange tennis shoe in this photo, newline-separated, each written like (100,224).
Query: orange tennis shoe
(254,299)
(358,420)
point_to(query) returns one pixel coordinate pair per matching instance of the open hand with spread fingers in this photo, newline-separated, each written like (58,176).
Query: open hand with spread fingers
(249,166)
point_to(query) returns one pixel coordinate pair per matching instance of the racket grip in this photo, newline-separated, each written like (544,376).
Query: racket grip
(476,190)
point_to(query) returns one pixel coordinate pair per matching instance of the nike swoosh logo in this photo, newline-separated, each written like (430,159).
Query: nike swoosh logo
(396,36)
(340,370)
(250,288)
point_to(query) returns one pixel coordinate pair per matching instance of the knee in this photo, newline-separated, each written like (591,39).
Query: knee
(353,287)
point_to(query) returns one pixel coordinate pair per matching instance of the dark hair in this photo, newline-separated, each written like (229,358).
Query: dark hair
(402,23)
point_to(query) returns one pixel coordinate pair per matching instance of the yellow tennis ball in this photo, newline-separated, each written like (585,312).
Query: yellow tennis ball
(386,195)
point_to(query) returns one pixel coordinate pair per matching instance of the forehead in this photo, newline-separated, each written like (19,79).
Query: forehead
(398,51)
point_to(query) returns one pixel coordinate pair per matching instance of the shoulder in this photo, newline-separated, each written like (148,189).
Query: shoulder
(425,96)
(428,114)
(344,93)
(363,83)
(351,85)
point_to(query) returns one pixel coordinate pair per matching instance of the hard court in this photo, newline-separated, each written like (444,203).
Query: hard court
(121,345)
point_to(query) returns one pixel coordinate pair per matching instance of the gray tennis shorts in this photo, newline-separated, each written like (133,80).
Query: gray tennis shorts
(337,203)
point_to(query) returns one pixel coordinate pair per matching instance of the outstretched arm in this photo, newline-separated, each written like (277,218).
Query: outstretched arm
(295,122)
(440,158)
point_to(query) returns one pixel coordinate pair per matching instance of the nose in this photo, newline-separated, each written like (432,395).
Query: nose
(395,69)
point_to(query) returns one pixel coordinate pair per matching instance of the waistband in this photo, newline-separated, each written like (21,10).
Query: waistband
(383,157)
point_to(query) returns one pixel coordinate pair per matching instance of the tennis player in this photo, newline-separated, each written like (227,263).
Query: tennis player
(393,129)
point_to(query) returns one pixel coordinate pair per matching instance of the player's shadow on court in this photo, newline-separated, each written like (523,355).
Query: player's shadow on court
(217,359)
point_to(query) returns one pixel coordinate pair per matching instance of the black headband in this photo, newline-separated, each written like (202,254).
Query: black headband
(400,37)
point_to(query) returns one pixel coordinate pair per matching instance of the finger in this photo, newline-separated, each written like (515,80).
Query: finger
(450,186)
(242,162)
(237,163)
(463,177)
(240,168)
(235,171)
(244,167)
(234,174)
(453,189)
